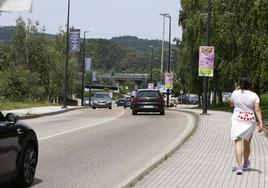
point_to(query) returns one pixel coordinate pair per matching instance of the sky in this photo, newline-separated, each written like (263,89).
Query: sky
(105,18)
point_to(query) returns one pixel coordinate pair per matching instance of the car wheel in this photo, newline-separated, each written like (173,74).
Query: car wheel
(94,107)
(110,107)
(162,112)
(124,106)
(27,167)
(134,112)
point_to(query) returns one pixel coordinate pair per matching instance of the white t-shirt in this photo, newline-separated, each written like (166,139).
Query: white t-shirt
(244,100)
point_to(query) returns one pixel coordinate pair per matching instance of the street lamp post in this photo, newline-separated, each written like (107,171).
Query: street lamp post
(83,71)
(67,60)
(163,43)
(90,80)
(205,80)
(152,62)
(169,44)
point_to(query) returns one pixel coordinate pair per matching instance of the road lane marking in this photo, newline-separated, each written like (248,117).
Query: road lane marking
(77,129)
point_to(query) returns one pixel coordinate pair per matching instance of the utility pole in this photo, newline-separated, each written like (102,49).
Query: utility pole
(152,62)
(163,43)
(169,63)
(205,80)
(65,94)
(83,71)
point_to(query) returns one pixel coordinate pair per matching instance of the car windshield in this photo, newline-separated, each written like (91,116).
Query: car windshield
(102,95)
(148,94)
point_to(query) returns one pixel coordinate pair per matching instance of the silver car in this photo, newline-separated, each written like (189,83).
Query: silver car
(101,100)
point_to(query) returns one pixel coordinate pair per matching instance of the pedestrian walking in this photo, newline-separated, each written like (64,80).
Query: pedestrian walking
(246,104)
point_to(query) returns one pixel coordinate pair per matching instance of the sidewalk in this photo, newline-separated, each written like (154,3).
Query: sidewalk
(207,159)
(41,111)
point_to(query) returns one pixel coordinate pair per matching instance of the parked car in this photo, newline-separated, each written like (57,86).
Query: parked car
(101,100)
(120,102)
(148,100)
(18,151)
(187,100)
(127,102)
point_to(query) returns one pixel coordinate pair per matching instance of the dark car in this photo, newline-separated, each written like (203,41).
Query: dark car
(127,102)
(101,100)
(18,151)
(148,100)
(120,102)
(187,100)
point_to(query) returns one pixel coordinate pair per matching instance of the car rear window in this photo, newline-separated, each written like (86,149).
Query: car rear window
(102,95)
(148,94)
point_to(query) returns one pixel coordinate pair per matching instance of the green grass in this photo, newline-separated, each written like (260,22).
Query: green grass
(264,106)
(225,107)
(7,105)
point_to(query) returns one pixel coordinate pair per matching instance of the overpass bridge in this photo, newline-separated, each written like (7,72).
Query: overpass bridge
(125,77)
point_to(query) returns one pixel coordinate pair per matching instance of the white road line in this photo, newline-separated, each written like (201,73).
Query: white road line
(77,129)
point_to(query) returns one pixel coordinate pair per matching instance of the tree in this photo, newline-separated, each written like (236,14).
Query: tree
(239,35)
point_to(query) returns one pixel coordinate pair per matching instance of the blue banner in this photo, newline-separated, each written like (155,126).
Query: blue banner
(88,62)
(74,41)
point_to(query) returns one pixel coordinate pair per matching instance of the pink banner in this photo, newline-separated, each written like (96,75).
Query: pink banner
(206,60)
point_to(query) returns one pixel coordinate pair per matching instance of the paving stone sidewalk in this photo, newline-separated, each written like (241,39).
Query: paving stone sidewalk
(207,159)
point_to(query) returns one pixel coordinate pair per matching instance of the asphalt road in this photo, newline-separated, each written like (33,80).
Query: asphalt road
(101,148)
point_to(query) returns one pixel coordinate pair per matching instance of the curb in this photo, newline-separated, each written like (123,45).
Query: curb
(49,113)
(169,154)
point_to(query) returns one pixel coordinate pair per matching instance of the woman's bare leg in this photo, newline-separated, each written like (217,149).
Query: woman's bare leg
(247,149)
(238,151)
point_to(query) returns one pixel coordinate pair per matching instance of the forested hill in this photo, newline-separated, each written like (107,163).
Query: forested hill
(141,45)
(6,33)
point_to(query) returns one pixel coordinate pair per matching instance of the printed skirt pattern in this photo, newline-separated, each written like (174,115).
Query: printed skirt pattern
(242,129)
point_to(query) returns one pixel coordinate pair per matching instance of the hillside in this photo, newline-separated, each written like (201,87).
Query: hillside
(141,45)
(6,33)
(132,42)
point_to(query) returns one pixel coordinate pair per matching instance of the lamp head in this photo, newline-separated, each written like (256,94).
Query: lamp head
(164,14)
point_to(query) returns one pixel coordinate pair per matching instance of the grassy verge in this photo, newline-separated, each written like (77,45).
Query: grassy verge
(225,107)
(7,105)
(264,106)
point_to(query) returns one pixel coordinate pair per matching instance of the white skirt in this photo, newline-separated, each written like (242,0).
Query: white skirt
(242,129)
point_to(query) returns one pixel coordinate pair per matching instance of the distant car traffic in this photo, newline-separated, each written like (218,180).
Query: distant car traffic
(148,100)
(172,101)
(101,100)
(18,151)
(184,99)
(127,102)
(120,102)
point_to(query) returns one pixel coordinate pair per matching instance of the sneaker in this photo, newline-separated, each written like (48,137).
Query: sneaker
(246,165)
(239,170)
